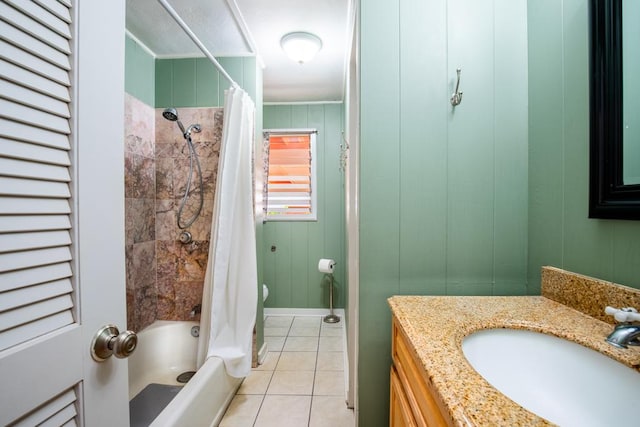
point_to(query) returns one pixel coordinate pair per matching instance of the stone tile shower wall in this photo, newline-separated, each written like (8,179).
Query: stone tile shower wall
(181,267)
(164,277)
(140,213)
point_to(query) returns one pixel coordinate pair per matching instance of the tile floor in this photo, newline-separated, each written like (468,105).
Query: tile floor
(301,382)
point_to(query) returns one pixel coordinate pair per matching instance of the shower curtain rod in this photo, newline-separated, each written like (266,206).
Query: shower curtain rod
(197,41)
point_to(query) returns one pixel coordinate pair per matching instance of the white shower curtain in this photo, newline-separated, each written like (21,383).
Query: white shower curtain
(230,290)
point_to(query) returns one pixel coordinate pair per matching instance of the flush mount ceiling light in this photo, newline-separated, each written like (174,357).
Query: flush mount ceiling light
(300,46)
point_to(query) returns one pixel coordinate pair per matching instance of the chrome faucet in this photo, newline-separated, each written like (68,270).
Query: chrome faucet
(626,333)
(197,309)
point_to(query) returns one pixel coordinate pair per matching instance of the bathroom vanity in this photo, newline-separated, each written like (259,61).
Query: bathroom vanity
(432,382)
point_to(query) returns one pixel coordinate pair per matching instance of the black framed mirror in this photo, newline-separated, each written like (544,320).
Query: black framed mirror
(612,193)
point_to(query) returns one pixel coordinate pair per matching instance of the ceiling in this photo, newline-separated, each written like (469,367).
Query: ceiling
(255,27)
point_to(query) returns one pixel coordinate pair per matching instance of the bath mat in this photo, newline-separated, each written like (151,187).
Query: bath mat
(147,404)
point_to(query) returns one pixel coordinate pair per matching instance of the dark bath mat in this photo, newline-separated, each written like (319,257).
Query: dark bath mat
(147,404)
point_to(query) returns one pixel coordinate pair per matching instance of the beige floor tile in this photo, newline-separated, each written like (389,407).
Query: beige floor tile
(284,411)
(330,411)
(242,411)
(276,332)
(291,382)
(328,383)
(330,344)
(337,325)
(302,331)
(278,321)
(274,343)
(297,361)
(330,361)
(270,362)
(331,332)
(306,321)
(256,383)
(301,344)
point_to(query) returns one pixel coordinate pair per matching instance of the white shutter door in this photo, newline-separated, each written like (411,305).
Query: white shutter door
(34,171)
(37,313)
(43,347)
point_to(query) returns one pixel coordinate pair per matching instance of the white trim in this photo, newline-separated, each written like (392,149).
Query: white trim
(290,131)
(303,312)
(352,17)
(181,56)
(262,353)
(140,43)
(313,216)
(345,359)
(302,102)
(242,25)
(191,55)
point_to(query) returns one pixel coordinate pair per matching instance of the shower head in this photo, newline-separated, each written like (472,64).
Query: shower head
(172,115)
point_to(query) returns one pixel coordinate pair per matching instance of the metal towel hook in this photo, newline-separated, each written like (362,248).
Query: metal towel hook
(456,98)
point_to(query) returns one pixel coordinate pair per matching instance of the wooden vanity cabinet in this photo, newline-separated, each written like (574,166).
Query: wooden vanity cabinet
(413,401)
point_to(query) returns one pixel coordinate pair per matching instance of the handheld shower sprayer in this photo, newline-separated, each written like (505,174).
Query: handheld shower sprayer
(172,115)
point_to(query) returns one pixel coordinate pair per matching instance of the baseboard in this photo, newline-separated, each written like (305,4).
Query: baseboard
(302,312)
(262,353)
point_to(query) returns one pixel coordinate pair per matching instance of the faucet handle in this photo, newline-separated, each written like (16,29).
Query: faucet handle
(625,314)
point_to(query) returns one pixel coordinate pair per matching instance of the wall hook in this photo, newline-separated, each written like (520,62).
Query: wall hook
(456,98)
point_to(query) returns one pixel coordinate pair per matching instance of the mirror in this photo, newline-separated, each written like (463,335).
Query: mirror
(614,191)
(630,85)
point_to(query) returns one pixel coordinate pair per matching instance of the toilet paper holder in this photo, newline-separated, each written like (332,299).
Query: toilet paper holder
(327,266)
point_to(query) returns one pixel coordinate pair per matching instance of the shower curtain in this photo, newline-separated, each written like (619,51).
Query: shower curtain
(230,292)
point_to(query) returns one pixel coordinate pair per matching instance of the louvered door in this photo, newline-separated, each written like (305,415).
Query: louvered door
(61,215)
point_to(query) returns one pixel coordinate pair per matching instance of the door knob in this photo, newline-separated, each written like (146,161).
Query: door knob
(109,341)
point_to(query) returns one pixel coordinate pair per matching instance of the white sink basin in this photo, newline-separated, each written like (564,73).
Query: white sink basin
(564,382)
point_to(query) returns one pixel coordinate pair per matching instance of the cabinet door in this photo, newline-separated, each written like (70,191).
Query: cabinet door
(399,412)
(418,392)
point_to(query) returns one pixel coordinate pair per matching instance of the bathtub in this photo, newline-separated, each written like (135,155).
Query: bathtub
(165,350)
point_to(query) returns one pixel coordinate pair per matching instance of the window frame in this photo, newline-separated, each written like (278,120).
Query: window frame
(313,216)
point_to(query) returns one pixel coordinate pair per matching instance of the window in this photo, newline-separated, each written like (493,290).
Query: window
(290,192)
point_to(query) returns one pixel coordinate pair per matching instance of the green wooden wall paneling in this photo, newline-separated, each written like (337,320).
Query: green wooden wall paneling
(560,234)
(576,156)
(291,271)
(425,108)
(443,199)
(511,149)
(471,162)
(139,72)
(206,83)
(195,82)
(164,83)
(235,69)
(545,137)
(379,202)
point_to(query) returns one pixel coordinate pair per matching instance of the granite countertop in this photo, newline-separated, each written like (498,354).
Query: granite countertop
(436,327)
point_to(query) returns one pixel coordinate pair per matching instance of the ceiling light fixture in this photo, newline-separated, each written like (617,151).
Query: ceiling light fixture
(300,46)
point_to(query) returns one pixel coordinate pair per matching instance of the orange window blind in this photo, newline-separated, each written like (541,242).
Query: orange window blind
(289,181)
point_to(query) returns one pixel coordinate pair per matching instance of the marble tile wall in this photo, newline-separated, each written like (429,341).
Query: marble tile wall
(181,267)
(164,277)
(140,215)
